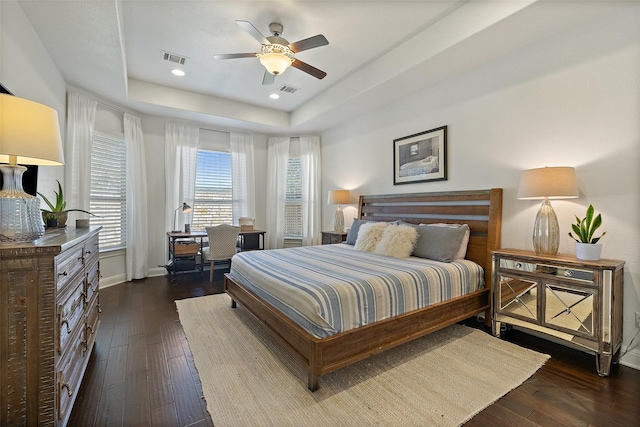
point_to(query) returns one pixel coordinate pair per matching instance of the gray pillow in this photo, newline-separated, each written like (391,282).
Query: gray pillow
(352,236)
(438,243)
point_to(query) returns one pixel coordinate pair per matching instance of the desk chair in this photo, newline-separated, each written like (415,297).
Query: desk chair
(223,239)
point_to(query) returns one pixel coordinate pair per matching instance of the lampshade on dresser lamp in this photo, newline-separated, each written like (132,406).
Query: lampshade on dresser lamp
(29,134)
(339,197)
(547,183)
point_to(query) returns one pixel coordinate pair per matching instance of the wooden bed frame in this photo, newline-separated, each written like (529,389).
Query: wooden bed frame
(480,209)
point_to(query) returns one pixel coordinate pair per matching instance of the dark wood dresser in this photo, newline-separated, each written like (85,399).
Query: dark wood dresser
(49,315)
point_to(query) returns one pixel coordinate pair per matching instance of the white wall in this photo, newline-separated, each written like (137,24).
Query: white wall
(571,100)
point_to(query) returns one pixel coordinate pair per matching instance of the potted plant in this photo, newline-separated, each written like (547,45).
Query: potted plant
(59,209)
(587,246)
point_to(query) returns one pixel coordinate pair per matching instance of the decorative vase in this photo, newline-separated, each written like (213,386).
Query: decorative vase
(588,251)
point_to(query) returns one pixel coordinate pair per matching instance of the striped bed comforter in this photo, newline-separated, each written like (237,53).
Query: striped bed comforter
(329,289)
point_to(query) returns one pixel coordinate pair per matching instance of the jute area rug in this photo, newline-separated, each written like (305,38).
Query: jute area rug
(443,379)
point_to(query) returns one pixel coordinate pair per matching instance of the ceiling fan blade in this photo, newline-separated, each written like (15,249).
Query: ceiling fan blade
(310,43)
(268,78)
(234,55)
(309,69)
(249,28)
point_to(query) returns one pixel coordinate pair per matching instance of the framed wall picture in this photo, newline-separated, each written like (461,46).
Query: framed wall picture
(420,157)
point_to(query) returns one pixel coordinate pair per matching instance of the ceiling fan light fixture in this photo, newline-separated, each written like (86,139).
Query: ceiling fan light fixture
(275,63)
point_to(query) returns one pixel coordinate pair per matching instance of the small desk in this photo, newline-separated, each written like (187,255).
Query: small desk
(248,240)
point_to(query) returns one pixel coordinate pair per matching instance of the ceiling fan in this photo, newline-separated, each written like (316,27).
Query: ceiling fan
(277,53)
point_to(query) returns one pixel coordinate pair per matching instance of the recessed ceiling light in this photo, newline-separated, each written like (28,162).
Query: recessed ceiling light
(274,96)
(177,72)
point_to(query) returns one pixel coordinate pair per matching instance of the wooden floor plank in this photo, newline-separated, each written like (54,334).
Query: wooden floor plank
(186,396)
(137,411)
(149,378)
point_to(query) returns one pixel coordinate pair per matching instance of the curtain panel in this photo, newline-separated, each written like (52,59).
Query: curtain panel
(277,163)
(81,113)
(137,253)
(243,179)
(181,152)
(311,208)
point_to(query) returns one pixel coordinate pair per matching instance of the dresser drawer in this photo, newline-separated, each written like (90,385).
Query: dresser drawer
(70,315)
(69,375)
(93,280)
(91,251)
(68,265)
(92,322)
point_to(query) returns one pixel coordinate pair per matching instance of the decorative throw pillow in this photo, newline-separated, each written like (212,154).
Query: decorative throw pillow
(439,243)
(462,250)
(397,241)
(352,236)
(369,235)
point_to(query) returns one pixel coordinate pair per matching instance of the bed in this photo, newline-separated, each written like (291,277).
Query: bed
(322,353)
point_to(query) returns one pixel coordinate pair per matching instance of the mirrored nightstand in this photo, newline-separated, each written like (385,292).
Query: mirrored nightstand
(579,302)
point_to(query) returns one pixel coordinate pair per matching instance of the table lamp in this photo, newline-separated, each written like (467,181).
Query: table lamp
(185,209)
(30,135)
(339,197)
(547,183)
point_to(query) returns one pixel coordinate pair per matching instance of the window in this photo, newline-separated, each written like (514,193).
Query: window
(293,205)
(108,194)
(213,194)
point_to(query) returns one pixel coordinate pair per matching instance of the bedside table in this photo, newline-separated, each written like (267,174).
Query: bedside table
(577,301)
(331,237)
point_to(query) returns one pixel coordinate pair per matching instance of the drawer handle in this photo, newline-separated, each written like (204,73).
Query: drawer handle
(84,346)
(90,329)
(69,391)
(65,322)
(88,252)
(64,273)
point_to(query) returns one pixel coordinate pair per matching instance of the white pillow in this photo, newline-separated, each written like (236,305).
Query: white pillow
(369,235)
(397,241)
(462,250)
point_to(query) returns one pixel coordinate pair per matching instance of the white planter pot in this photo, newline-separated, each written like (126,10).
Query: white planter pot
(588,251)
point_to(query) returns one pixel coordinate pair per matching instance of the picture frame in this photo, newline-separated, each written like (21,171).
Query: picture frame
(420,157)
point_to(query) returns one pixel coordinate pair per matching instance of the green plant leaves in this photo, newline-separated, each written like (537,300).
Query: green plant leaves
(585,228)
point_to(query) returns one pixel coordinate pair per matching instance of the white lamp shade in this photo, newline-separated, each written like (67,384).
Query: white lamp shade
(30,132)
(275,63)
(550,182)
(339,197)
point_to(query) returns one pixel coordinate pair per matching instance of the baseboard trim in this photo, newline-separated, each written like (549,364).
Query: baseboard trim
(631,359)
(105,282)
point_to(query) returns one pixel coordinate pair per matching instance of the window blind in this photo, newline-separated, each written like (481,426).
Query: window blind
(108,192)
(213,196)
(293,204)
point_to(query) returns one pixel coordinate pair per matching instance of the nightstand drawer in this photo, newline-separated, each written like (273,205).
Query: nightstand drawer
(332,237)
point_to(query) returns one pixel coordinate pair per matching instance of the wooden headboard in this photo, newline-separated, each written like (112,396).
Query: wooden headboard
(480,209)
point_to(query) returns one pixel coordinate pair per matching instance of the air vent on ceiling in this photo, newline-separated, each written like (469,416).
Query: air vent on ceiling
(288,89)
(174,57)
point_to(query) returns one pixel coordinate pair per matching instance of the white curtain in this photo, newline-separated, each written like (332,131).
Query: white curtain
(311,198)
(81,113)
(243,181)
(277,163)
(137,231)
(180,158)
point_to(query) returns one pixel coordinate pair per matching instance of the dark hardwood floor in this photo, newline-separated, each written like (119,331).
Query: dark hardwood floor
(141,372)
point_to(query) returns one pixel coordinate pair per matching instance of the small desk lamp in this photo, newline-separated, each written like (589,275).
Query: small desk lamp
(185,209)
(29,134)
(339,197)
(547,183)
